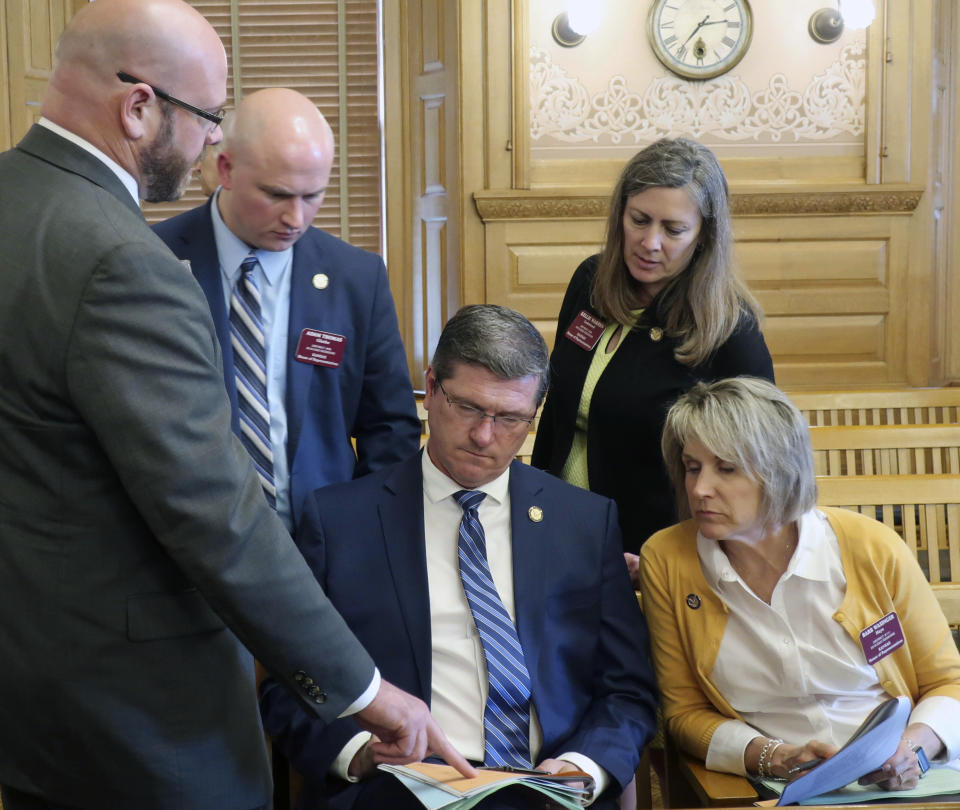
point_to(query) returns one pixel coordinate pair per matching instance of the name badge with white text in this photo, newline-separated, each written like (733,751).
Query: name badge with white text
(321,348)
(882,638)
(585,330)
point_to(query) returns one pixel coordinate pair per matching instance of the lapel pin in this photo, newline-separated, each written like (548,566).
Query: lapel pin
(656,333)
(535,514)
(320,281)
(693,601)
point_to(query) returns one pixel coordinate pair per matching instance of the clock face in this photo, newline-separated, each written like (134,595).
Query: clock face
(699,39)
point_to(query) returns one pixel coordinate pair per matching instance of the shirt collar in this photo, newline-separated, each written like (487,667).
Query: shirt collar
(232,250)
(438,485)
(128,180)
(810,559)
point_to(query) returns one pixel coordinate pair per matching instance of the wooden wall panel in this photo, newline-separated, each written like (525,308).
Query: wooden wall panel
(32,30)
(833,293)
(6,140)
(530,263)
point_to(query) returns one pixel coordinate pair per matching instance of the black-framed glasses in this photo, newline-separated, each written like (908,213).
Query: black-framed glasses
(471,414)
(214,118)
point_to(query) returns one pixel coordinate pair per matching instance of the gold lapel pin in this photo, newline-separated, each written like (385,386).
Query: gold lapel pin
(535,513)
(656,333)
(320,281)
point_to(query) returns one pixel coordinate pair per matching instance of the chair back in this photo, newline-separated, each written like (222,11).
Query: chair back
(886,449)
(911,406)
(923,509)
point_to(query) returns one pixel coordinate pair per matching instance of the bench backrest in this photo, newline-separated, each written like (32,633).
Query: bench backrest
(886,449)
(923,509)
(911,406)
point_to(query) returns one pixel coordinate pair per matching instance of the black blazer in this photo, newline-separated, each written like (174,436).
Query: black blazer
(629,407)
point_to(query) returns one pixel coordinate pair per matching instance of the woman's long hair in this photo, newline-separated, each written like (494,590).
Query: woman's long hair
(702,304)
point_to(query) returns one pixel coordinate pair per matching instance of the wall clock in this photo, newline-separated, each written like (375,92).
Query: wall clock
(700,39)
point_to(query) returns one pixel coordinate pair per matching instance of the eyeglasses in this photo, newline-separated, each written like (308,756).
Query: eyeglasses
(472,415)
(215,118)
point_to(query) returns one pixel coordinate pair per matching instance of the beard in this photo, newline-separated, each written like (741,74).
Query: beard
(164,170)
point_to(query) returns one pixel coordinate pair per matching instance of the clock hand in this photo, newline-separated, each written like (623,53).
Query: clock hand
(700,25)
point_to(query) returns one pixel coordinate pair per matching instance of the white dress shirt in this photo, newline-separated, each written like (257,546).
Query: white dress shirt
(273,281)
(807,679)
(459,671)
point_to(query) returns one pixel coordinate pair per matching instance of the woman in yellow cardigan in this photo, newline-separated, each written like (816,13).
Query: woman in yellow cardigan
(757,603)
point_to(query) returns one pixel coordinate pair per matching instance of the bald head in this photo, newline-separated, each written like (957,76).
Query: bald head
(274,168)
(279,120)
(165,43)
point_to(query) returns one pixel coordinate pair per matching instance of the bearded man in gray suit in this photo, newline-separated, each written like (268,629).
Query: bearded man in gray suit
(137,551)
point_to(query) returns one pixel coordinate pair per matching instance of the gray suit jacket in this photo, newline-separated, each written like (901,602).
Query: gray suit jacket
(133,532)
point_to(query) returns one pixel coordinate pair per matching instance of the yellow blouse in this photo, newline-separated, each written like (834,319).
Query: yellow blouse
(575,467)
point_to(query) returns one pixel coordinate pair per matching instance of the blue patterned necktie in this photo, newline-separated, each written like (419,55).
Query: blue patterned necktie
(506,717)
(250,367)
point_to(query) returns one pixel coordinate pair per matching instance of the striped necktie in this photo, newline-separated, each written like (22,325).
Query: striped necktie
(506,717)
(250,367)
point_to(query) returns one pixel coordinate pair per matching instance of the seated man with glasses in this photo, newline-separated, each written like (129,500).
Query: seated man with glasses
(494,591)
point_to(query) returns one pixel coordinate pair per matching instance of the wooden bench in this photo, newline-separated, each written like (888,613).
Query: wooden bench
(886,449)
(910,406)
(923,509)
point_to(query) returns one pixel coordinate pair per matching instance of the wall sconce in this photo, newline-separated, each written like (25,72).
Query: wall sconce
(827,24)
(581,18)
(563,34)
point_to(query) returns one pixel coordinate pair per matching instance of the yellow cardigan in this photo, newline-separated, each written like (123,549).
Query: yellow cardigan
(882,576)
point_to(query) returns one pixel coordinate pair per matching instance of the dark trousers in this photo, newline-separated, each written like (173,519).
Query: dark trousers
(18,800)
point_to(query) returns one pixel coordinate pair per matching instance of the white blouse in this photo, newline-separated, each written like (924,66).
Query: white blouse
(806,678)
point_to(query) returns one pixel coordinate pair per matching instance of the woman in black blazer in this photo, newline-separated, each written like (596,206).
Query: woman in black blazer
(658,310)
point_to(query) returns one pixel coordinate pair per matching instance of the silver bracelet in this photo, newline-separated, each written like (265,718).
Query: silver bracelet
(770,773)
(763,763)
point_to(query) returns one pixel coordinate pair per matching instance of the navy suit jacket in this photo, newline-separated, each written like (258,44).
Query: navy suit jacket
(583,635)
(369,396)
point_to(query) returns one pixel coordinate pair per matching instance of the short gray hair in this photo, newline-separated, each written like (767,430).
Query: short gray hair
(749,422)
(495,338)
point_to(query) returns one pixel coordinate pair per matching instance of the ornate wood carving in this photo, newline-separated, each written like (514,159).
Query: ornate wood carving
(552,204)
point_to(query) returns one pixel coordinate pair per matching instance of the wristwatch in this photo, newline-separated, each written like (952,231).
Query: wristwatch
(922,760)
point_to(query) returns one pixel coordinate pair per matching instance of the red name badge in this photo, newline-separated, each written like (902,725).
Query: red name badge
(585,330)
(321,348)
(882,638)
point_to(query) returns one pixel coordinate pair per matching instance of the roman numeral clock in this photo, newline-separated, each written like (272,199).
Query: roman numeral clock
(700,39)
